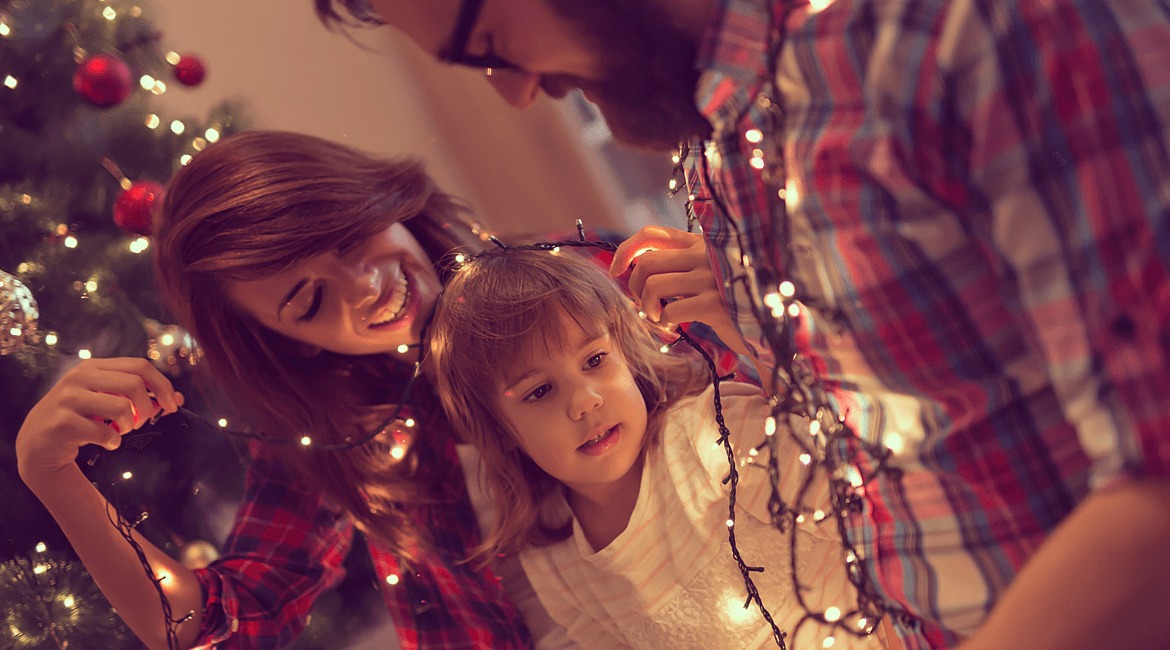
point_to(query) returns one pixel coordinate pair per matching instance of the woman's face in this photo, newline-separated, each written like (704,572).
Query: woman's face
(365,300)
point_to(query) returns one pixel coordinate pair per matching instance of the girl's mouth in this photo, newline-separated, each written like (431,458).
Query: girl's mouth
(602,443)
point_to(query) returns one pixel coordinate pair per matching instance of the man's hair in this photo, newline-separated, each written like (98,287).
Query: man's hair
(495,313)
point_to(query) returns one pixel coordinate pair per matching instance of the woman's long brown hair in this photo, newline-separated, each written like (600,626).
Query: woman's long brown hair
(500,309)
(256,204)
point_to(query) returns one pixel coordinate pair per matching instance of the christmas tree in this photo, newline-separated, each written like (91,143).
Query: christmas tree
(83,160)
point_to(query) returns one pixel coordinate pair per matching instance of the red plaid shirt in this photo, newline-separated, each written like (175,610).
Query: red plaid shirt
(978,195)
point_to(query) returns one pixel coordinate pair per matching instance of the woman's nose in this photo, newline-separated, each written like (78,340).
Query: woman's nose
(366,286)
(586,398)
(517,87)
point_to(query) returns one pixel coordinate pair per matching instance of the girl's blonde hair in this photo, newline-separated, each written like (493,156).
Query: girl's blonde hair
(495,312)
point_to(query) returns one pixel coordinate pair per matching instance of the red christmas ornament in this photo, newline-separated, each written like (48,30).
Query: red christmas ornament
(134,207)
(103,80)
(190,70)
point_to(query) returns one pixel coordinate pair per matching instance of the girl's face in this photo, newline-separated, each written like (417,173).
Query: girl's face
(577,411)
(364,300)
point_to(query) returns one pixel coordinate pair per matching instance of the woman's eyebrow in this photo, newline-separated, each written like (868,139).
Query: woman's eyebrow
(289,296)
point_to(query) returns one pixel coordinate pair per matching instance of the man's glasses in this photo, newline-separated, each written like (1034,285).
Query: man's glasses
(456,52)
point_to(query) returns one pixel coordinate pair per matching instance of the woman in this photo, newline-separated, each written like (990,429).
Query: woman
(302,267)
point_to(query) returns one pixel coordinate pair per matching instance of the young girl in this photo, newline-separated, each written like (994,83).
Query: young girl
(600,466)
(301,267)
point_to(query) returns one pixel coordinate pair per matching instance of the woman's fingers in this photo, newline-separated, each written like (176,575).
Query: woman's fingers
(154,381)
(650,238)
(659,289)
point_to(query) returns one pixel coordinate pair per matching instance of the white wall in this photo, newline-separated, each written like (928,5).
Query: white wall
(522,171)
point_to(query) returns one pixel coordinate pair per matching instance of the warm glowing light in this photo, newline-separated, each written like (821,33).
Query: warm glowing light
(127,475)
(4,30)
(833,614)
(67,601)
(162,575)
(730,523)
(736,613)
(673,184)
(212,135)
(392,579)
(41,547)
(306,441)
(173,57)
(40,568)
(184,159)
(409,422)
(136,11)
(754,135)
(770,426)
(805,459)
(791,195)
(25,199)
(829,641)
(757,163)
(397,453)
(158,88)
(894,442)
(222,423)
(146,81)
(84,354)
(167,339)
(152,121)
(91,285)
(51,338)
(198,143)
(772,300)
(787,289)
(403,349)
(641,314)
(70,242)
(815,6)
(665,348)
(10,81)
(177,127)
(460,258)
(15,331)
(109,13)
(814,427)
(794,310)
(819,515)
(556,249)
(139,245)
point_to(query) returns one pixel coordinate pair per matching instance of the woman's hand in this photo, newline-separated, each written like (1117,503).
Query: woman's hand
(672,281)
(96,402)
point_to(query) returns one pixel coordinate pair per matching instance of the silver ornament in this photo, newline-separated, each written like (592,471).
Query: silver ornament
(18,314)
(171,348)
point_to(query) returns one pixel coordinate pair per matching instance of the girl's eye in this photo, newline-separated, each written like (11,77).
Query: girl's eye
(314,307)
(597,359)
(538,393)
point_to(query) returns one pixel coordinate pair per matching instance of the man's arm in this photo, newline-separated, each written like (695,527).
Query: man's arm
(1102,580)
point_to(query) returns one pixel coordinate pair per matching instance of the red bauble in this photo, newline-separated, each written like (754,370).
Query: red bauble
(103,80)
(190,70)
(134,208)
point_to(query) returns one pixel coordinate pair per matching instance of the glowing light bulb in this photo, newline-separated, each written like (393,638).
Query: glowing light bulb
(753,136)
(409,422)
(403,349)
(805,459)
(392,579)
(10,81)
(127,475)
(146,81)
(222,423)
(212,135)
(51,338)
(397,453)
(84,354)
(306,441)
(109,14)
(152,121)
(177,127)
(730,523)
(70,242)
(770,426)
(41,547)
(833,614)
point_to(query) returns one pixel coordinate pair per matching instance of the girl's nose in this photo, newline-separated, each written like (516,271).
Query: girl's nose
(586,398)
(517,87)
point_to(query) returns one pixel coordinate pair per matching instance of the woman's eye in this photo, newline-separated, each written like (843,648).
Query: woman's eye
(314,307)
(597,359)
(538,393)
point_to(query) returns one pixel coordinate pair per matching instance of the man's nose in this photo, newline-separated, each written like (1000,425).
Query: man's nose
(517,87)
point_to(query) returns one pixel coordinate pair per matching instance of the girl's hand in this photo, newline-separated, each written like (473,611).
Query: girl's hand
(672,282)
(96,402)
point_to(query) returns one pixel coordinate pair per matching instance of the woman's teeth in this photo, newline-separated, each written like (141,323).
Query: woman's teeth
(394,308)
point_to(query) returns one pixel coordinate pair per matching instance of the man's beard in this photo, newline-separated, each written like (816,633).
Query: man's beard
(647,92)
